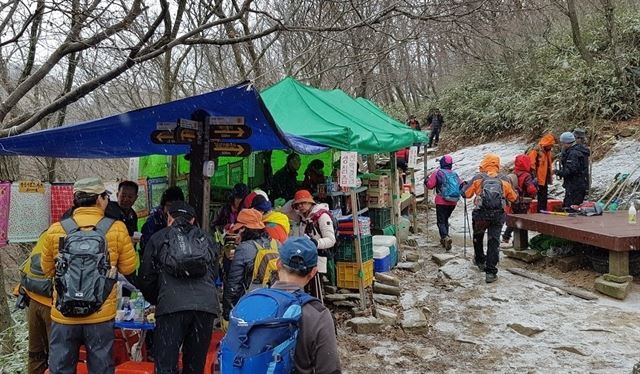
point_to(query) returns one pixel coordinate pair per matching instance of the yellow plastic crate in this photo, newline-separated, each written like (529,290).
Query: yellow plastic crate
(348,274)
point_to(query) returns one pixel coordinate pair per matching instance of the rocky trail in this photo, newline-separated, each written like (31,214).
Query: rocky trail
(513,325)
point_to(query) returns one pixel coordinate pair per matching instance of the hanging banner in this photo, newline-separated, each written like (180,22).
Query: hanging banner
(134,168)
(31,187)
(348,169)
(413,157)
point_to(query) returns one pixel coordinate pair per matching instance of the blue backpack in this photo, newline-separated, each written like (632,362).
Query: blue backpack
(450,185)
(263,331)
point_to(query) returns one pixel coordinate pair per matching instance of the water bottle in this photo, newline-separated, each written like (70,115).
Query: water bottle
(138,307)
(633,214)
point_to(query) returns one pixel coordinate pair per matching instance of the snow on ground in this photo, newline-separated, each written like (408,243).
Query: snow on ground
(622,158)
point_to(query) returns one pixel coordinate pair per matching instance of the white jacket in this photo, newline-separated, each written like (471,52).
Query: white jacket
(321,230)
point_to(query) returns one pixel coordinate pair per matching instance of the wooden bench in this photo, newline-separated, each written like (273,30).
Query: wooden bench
(610,231)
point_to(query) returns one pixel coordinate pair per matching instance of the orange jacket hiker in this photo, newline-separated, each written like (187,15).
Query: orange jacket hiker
(490,165)
(542,160)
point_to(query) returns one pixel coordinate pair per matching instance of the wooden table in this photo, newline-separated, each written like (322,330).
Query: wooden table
(610,231)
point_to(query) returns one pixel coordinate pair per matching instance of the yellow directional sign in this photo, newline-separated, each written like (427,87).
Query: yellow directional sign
(163,137)
(229,132)
(230,149)
(186,135)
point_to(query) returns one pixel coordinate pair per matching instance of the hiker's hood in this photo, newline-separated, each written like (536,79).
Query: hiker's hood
(490,164)
(523,163)
(547,140)
(582,148)
(279,219)
(446,162)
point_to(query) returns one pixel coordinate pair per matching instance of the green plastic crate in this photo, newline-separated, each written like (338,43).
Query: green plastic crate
(346,249)
(380,218)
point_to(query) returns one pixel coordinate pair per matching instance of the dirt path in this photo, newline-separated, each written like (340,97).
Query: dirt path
(474,326)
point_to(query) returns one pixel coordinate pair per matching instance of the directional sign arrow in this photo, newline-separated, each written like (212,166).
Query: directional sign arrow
(186,135)
(163,137)
(230,132)
(230,149)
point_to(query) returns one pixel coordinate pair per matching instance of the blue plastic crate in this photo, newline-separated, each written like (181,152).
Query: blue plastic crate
(382,265)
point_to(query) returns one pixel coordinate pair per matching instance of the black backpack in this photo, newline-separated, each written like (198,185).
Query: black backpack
(186,252)
(82,279)
(491,195)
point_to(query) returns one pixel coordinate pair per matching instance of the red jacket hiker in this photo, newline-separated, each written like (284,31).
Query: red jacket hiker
(526,185)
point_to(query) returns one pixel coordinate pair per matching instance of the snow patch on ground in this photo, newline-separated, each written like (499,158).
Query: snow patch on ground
(622,158)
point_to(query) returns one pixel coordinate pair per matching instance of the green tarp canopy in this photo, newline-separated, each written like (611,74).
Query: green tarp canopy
(334,119)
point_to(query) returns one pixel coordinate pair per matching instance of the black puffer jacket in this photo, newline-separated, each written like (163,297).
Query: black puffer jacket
(575,167)
(171,294)
(240,273)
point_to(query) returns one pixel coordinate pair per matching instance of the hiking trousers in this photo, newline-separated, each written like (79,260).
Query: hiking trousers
(573,196)
(190,329)
(39,323)
(543,192)
(65,347)
(491,222)
(435,136)
(443,212)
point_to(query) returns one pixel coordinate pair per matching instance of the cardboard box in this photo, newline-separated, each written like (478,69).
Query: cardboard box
(377,181)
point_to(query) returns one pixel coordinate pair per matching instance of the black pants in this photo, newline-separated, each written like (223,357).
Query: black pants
(435,135)
(65,342)
(542,197)
(443,212)
(517,208)
(190,329)
(492,223)
(573,196)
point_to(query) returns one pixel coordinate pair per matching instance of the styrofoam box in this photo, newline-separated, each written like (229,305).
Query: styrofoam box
(381,252)
(384,240)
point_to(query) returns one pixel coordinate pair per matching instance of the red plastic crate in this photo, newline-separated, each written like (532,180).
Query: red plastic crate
(132,367)
(552,205)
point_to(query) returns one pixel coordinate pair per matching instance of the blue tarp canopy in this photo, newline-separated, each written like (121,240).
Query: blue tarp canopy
(128,134)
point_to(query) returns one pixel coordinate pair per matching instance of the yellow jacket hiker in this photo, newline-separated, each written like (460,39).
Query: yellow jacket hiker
(121,255)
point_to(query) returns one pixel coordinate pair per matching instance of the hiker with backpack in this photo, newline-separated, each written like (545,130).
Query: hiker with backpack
(157,219)
(447,184)
(253,262)
(317,223)
(435,121)
(283,319)
(276,223)
(542,168)
(491,192)
(525,187)
(83,254)
(574,170)
(177,275)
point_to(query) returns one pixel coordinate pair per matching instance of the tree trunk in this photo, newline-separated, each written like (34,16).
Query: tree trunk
(575,32)
(610,21)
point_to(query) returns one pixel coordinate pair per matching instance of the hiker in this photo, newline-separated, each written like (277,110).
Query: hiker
(177,275)
(157,219)
(127,196)
(242,272)
(491,191)
(413,123)
(447,184)
(276,223)
(525,188)
(314,349)
(542,168)
(285,180)
(318,224)
(436,122)
(228,214)
(314,175)
(35,292)
(580,135)
(574,170)
(85,319)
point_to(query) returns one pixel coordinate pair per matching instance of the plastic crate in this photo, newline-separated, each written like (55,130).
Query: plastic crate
(380,218)
(382,265)
(346,251)
(348,274)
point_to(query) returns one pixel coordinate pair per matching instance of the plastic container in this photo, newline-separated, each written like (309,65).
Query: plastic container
(382,265)
(380,217)
(348,274)
(633,214)
(380,252)
(384,240)
(137,306)
(393,253)
(345,251)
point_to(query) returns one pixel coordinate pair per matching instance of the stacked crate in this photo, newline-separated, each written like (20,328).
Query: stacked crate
(347,267)
(378,191)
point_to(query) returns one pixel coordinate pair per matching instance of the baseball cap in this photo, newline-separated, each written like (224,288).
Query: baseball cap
(249,218)
(181,209)
(91,185)
(299,253)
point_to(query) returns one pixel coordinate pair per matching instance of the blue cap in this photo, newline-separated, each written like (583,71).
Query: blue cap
(299,253)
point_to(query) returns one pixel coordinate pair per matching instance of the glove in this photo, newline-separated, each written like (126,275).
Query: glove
(224,325)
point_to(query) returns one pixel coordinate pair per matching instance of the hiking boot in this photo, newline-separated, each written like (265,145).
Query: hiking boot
(490,278)
(442,243)
(447,243)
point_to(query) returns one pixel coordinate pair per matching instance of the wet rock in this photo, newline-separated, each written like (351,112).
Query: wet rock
(386,289)
(442,258)
(330,289)
(387,279)
(415,321)
(387,315)
(385,299)
(528,256)
(335,297)
(455,270)
(570,349)
(413,267)
(411,256)
(613,289)
(524,330)
(365,325)
(345,304)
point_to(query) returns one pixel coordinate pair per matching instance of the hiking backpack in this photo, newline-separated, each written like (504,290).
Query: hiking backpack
(263,332)
(186,252)
(491,194)
(81,278)
(32,278)
(264,265)
(315,220)
(450,186)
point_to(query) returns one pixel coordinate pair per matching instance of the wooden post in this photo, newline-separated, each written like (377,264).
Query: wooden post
(199,186)
(414,203)
(173,170)
(356,231)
